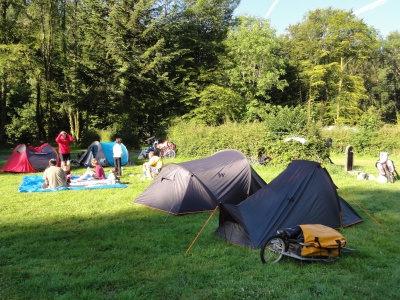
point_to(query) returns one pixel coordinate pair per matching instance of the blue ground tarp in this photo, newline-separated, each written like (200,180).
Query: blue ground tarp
(34,183)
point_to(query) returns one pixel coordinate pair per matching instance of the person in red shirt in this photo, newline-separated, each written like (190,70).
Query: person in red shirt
(63,140)
(96,173)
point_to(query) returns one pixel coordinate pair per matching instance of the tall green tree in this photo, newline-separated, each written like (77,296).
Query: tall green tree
(391,69)
(329,47)
(10,57)
(254,63)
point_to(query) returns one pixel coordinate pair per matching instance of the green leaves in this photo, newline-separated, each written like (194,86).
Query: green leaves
(329,48)
(257,63)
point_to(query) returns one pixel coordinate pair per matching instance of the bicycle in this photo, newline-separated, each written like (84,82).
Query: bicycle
(386,167)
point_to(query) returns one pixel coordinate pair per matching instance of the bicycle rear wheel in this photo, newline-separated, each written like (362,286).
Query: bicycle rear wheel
(170,154)
(389,175)
(272,250)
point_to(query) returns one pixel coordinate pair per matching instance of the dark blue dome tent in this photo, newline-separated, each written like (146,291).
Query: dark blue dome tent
(304,193)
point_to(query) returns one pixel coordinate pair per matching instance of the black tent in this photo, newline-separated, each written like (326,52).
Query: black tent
(304,193)
(202,184)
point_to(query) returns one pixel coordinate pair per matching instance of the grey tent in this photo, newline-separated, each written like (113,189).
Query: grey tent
(304,193)
(202,184)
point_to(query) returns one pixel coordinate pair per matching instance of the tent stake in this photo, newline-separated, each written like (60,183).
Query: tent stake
(209,218)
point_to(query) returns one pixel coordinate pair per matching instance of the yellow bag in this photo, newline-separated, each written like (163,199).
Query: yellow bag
(322,240)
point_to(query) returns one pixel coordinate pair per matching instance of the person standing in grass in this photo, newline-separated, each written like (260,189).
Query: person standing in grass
(63,140)
(117,154)
(54,176)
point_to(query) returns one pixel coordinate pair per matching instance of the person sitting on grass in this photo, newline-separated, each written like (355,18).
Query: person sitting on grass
(153,166)
(65,166)
(54,176)
(96,173)
(112,177)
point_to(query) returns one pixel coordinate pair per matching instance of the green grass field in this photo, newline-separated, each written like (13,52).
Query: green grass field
(99,245)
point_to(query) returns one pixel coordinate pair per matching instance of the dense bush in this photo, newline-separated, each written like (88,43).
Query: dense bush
(252,139)
(363,140)
(387,139)
(91,135)
(196,140)
(88,137)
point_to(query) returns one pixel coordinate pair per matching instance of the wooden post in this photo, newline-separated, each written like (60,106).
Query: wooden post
(349,163)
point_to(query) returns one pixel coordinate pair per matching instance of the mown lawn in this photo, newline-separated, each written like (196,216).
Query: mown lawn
(99,245)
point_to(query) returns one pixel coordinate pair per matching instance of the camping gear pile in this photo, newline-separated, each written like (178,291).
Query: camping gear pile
(308,242)
(29,159)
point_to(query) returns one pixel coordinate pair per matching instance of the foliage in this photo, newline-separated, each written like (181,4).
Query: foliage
(254,63)
(328,51)
(387,139)
(135,66)
(252,139)
(20,129)
(364,141)
(218,105)
(283,121)
(88,137)
(370,120)
(105,135)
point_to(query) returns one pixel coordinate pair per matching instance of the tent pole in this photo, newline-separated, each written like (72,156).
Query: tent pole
(168,213)
(201,230)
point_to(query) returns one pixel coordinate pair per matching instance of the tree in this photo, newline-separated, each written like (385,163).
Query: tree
(391,51)
(10,57)
(329,48)
(254,63)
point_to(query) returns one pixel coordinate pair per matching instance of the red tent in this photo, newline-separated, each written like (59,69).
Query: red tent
(28,159)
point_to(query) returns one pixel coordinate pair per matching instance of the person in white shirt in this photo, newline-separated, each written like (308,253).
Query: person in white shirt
(117,154)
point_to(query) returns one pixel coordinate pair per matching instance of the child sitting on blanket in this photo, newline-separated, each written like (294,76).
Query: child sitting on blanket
(67,170)
(112,177)
(97,173)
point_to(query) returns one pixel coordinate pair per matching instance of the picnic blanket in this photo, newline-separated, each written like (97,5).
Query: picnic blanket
(33,183)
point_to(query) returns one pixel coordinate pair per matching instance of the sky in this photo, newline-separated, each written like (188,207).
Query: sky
(383,15)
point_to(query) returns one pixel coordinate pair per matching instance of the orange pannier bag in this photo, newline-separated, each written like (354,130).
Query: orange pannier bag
(321,241)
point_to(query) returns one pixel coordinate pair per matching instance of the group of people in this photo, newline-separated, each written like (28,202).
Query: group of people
(55,176)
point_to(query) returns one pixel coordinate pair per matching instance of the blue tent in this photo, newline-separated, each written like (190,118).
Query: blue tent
(103,152)
(304,193)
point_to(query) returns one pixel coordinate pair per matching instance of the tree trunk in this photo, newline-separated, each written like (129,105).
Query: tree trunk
(3,109)
(338,104)
(39,114)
